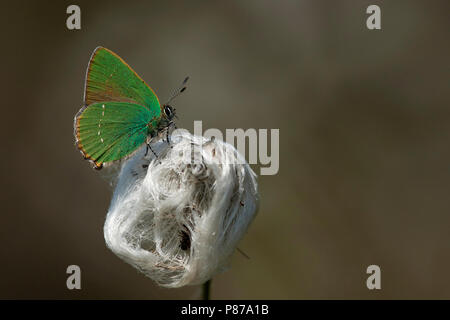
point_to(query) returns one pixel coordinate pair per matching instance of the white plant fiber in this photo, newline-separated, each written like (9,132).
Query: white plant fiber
(180,221)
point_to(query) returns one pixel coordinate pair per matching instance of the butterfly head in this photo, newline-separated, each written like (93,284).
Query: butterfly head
(169,112)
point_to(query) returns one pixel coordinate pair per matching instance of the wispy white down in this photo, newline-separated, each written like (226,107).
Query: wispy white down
(179,222)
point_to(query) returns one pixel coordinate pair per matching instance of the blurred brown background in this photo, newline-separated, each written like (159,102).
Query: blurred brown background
(364,153)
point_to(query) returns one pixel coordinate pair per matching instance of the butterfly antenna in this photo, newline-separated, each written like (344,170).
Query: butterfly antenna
(178,91)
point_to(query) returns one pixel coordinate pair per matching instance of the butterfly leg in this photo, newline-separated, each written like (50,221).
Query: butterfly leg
(150,148)
(167,137)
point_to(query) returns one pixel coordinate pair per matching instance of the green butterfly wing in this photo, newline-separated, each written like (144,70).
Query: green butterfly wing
(109,131)
(109,78)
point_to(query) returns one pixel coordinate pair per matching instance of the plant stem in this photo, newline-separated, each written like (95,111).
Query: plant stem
(206,290)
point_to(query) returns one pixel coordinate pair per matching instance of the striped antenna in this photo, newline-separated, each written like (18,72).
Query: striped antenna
(178,91)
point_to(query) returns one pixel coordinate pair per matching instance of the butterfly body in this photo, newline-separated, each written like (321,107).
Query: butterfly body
(120,113)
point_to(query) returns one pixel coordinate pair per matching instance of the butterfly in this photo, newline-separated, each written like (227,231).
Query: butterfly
(120,113)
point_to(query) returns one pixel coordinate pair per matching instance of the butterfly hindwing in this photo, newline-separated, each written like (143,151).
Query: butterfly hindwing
(109,131)
(109,78)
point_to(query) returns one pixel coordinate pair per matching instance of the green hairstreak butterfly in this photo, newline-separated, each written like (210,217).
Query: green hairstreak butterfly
(120,113)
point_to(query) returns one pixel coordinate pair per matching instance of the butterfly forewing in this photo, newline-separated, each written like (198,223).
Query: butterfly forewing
(109,131)
(109,78)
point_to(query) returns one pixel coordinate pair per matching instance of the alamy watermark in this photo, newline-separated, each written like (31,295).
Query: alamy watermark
(374,280)
(73,21)
(74,279)
(373,22)
(258,146)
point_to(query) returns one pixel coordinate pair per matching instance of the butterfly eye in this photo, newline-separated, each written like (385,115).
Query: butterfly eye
(168,111)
